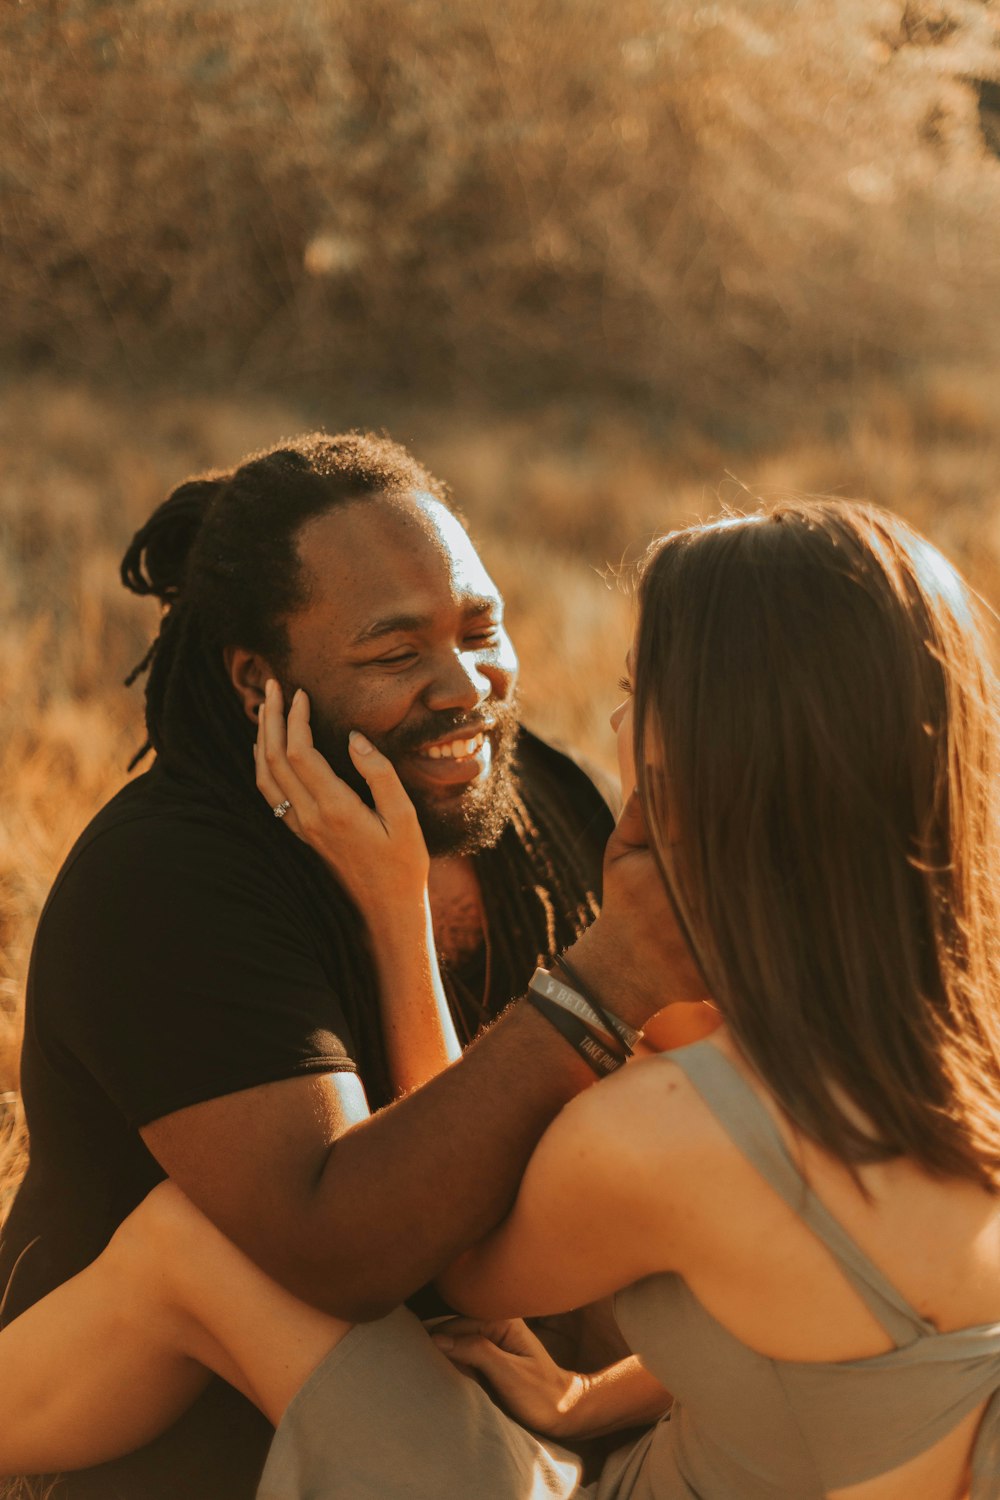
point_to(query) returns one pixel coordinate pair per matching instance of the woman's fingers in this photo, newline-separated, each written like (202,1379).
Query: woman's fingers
(308,766)
(520,1370)
(476,1351)
(380,856)
(338,805)
(391,801)
(275,793)
(512,1334)
(290,766)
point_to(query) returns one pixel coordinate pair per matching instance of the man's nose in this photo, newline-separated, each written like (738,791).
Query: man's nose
(458,683)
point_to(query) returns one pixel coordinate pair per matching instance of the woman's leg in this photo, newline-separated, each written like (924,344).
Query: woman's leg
(113,1357)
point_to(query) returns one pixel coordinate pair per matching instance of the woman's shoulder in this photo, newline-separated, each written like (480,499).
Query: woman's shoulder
(648,1118)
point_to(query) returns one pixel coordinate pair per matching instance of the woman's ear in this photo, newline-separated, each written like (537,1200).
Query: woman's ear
(248,672)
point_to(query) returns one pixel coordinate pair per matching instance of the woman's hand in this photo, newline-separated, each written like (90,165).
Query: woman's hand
(634,956)
(542,1395)
(381,860)
(525,1377)
(379,856)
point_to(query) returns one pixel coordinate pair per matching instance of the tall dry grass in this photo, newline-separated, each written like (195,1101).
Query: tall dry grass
(676,202)
(553,502)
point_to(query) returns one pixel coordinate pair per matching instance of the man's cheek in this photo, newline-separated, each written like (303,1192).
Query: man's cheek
(381,712)
(507,662)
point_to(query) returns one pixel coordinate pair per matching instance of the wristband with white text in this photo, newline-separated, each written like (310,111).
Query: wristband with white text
(626,1034)
(599,1058)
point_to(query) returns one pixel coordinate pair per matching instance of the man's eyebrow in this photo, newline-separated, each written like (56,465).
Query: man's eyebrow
(401,624)
(389,625)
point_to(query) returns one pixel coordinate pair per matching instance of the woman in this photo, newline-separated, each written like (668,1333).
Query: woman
(798,1213)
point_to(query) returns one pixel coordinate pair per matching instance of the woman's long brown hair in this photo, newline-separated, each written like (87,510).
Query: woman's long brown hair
(816,746)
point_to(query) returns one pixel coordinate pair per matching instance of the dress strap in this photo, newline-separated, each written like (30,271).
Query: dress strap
(752,1130)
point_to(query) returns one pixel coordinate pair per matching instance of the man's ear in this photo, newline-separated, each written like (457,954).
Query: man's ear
(248,672)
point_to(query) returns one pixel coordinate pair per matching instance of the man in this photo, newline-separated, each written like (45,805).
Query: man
(202,1001)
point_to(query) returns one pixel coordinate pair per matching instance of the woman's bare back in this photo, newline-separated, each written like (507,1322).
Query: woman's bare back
(762,1273)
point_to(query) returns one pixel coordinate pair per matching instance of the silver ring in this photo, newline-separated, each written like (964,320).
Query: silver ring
(282,808)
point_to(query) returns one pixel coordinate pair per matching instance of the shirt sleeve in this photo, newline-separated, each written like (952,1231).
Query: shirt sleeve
(172,965)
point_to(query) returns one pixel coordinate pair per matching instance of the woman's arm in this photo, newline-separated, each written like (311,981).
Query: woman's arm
(380,858)
(419,1034)
(594,1210)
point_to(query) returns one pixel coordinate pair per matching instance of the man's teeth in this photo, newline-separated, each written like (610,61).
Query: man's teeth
(454,749)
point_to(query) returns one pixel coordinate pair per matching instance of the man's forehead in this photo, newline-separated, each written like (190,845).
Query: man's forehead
(382,552)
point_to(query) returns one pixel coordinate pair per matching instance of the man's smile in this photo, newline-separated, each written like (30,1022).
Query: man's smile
(457,749)
(455,760)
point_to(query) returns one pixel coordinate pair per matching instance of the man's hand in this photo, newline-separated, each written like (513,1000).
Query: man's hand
(635,956)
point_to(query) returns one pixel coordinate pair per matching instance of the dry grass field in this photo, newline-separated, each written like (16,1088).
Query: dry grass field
(557,506)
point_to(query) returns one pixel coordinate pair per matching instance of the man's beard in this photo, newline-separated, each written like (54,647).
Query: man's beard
(469,818)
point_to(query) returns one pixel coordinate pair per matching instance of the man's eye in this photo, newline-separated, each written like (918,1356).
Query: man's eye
(625,686)
(486,633)
(398,660)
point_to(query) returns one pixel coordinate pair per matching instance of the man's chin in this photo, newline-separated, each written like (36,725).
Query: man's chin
(467,821)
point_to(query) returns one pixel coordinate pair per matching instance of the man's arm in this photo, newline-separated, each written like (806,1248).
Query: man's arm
(354,1212)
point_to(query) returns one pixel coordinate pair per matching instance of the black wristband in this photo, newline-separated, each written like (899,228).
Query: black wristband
(599,1058)
(610,1023)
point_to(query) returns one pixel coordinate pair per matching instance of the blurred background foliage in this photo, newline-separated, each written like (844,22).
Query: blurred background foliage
(606,267)
(529,197)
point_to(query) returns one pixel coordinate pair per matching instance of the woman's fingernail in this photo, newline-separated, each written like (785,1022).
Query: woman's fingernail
(269,687)
(359,743)
(444,1343)
(296,696)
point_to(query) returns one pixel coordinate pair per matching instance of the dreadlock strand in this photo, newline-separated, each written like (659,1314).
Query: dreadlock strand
(156,560)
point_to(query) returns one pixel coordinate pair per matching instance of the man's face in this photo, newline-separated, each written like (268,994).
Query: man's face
(401,636)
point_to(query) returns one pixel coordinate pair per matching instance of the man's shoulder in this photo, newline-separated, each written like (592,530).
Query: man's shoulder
(156,807)
(152,830)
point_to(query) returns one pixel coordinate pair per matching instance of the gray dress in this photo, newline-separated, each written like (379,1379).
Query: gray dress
(386,1417)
